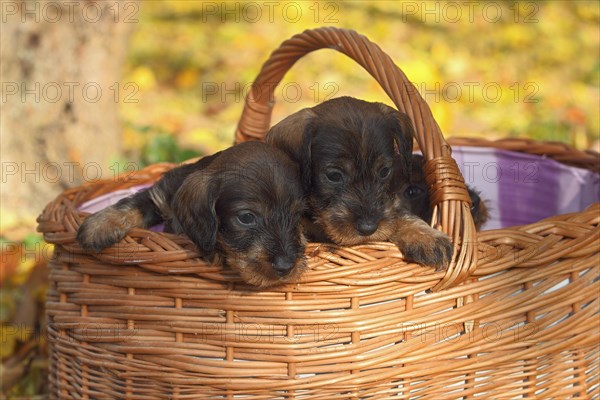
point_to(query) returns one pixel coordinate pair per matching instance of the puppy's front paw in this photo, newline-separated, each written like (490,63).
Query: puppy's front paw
(424,245)
(431,251)
(105,228)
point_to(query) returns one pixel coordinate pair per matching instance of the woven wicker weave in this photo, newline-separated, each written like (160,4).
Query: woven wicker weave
(515,316)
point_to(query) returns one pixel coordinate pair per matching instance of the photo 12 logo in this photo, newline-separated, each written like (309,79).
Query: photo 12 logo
(244,332)
(70,172)
(290,92)
(53,92)
(69,11)
(470,11)
(271,11)
(455,332)
(471,92)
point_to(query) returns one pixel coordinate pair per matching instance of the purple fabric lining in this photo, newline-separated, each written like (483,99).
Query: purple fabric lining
(518,188)
(106,200)
(521,188)
(529,188)
(101,202)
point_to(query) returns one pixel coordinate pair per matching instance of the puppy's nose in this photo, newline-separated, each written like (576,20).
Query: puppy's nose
(282,265)
(367,226)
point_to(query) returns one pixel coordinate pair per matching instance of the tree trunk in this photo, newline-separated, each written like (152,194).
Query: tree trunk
(61,69)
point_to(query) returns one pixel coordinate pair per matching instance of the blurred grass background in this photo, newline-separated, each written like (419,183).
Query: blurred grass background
(487,69)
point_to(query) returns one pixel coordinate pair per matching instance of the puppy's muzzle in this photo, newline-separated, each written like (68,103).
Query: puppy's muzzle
(283,265)
(367,226)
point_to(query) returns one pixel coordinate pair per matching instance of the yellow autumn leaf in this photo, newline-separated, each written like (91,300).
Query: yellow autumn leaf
(421,73)
(443,115)
(183,6)
(8,221)
(187,78)
(143,77)
(518,35)
(204,139)
(133,139)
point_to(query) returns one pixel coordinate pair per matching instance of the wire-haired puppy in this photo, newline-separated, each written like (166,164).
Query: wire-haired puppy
(345,148)
(243,204)
(416,193)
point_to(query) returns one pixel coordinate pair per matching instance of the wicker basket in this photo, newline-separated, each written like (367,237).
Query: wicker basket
(515,316)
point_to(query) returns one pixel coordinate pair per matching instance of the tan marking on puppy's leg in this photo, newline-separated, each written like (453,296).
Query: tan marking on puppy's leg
(107,227)
(160,201)
(421,243)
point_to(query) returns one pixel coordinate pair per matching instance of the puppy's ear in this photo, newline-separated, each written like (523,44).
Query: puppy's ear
(294,136)
(288,133)
(403,131)
(194,210)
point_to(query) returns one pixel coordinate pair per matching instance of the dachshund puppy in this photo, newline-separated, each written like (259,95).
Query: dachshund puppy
(243,205)
(416,193)
(345,148)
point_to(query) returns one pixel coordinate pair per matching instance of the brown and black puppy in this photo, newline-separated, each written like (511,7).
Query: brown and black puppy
(243,204)
(416,193)
(345,148)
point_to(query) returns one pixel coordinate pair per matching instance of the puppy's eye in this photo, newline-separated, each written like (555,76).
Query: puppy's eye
(334,176)
(384,172)
(246,218)
(413,191)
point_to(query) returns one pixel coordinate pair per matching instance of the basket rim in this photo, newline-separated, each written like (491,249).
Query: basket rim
(558,151)
(61,219)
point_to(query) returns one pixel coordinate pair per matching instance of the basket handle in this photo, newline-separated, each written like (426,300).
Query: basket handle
(446,185)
